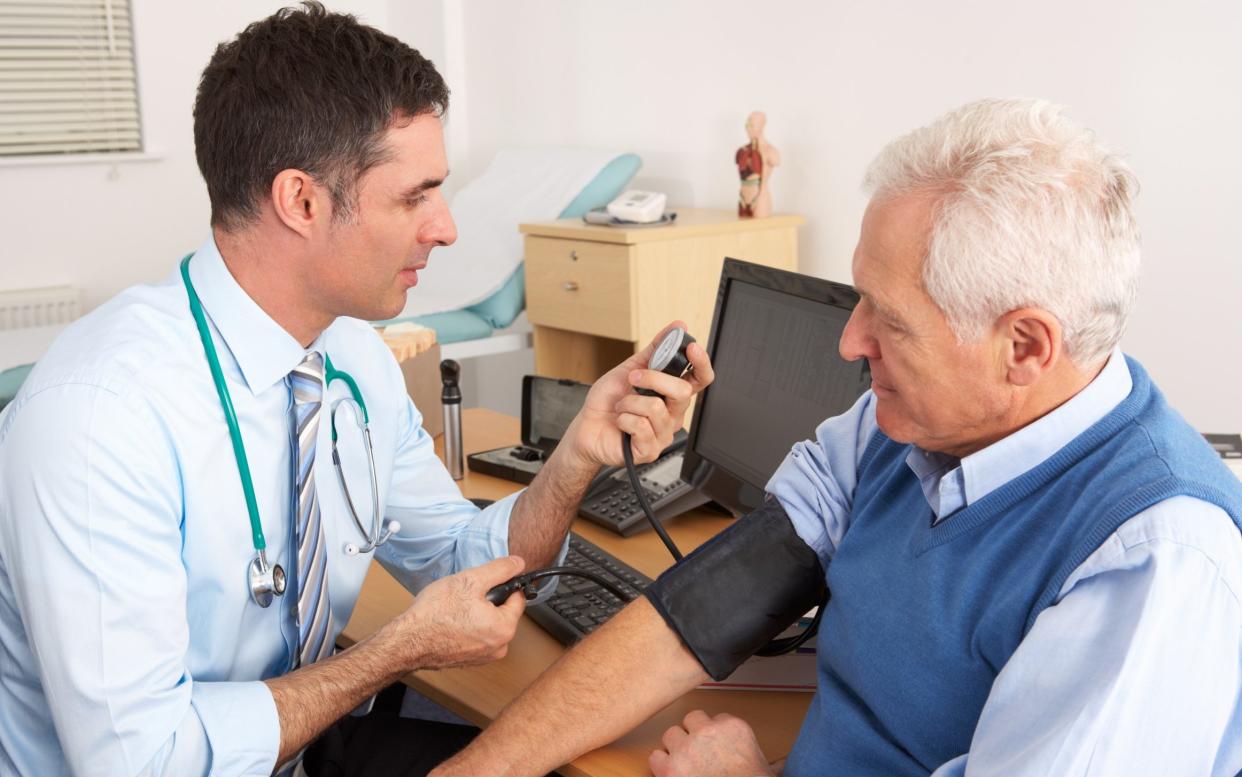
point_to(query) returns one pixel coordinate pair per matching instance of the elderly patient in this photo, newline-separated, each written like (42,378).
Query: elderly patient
(1034,561)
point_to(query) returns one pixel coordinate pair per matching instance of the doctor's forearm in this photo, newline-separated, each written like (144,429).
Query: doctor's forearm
(543,513)
(310,699)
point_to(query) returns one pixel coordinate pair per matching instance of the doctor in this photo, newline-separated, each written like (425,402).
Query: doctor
(142,631)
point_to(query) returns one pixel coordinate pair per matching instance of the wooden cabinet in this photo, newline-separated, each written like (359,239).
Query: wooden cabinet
(597,294)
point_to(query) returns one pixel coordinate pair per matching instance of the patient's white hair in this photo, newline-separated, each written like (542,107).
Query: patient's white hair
(1030,211)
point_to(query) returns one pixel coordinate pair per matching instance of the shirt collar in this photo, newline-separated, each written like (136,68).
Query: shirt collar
(265,353)
(986,470)
(949,484)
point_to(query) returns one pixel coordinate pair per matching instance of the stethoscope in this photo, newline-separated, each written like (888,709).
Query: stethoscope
(268,580)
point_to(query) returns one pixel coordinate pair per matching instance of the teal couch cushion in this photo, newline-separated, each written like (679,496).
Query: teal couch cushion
(11,380)
(452,326)
(605,187)
(503,306)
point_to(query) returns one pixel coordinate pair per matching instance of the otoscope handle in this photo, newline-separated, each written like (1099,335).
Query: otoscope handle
(450,397)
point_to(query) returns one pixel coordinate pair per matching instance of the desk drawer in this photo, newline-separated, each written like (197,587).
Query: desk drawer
(580,286)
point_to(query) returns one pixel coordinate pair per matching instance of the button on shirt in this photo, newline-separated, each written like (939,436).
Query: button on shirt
(128,640)
(1138,667)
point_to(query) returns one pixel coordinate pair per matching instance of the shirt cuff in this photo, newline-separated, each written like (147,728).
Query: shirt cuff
(488,532)
(545,588)
(242,726)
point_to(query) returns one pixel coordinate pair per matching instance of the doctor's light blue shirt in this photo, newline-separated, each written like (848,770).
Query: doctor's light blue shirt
(128,640)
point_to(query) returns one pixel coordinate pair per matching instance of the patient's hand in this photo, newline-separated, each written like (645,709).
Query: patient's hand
(613,407)
(723,746)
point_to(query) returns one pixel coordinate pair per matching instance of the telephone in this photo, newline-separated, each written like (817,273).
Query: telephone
(611,503)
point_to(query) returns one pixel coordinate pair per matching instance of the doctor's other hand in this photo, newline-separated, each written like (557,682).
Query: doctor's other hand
(612,406)
(451,623)
(723,746)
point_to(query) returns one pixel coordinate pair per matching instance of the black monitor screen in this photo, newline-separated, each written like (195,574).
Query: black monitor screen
(778,375)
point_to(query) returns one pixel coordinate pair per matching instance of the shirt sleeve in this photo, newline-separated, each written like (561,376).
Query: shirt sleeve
(97,577)
(442,532)
(816,481)
(1135,670)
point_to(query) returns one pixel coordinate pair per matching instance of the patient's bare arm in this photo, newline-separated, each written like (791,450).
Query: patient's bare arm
(613,680)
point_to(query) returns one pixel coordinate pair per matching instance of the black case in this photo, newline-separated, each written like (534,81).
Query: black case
(520,463)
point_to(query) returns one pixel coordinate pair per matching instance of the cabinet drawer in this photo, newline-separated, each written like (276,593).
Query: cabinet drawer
(580,286)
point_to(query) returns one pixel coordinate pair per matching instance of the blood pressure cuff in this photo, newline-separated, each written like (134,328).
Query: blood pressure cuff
(732,595)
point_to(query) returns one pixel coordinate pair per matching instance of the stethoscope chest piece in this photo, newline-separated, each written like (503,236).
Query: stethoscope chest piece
(266,581)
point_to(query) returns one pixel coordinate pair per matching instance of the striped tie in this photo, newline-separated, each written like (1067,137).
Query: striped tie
(314,610)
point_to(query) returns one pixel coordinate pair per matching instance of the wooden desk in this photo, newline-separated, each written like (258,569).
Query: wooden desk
(479,693)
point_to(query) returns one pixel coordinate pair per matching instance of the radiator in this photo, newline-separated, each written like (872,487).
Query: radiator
(24,308)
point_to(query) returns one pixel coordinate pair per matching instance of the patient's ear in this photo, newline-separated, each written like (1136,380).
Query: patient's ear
(1033,345)
(299,202)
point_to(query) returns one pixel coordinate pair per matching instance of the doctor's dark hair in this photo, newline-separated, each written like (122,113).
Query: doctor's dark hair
(309,90)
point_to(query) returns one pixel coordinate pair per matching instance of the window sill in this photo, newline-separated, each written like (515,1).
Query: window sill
(81,159)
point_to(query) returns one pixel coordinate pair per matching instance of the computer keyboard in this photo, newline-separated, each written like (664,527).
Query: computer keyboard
(579,606)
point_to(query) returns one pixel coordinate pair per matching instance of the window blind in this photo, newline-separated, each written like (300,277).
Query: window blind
(67,80)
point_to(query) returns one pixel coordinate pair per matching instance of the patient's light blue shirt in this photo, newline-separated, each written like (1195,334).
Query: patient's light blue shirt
(1138,667)
(128,640)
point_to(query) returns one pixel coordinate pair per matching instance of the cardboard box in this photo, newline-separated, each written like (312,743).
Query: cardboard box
(422,383)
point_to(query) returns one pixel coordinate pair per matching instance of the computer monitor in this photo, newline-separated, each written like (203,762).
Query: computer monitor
(774,347)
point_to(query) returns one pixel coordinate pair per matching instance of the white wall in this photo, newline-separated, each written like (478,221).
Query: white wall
(673,81)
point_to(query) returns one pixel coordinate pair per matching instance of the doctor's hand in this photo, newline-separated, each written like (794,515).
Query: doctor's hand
(612,407)
(452,624)
(723,746)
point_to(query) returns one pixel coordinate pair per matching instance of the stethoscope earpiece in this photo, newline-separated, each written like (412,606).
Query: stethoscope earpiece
(390,528)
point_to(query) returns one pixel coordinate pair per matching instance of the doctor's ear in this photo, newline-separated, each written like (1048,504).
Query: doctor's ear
(299,201)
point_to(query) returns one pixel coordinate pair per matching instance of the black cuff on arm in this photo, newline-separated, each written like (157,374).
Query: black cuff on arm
(732,595)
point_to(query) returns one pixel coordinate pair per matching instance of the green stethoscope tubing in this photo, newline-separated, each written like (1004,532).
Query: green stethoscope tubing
(373,538)
(330,374)
(226,402)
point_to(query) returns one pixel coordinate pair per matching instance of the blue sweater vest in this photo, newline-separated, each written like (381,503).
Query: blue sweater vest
(922,618)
